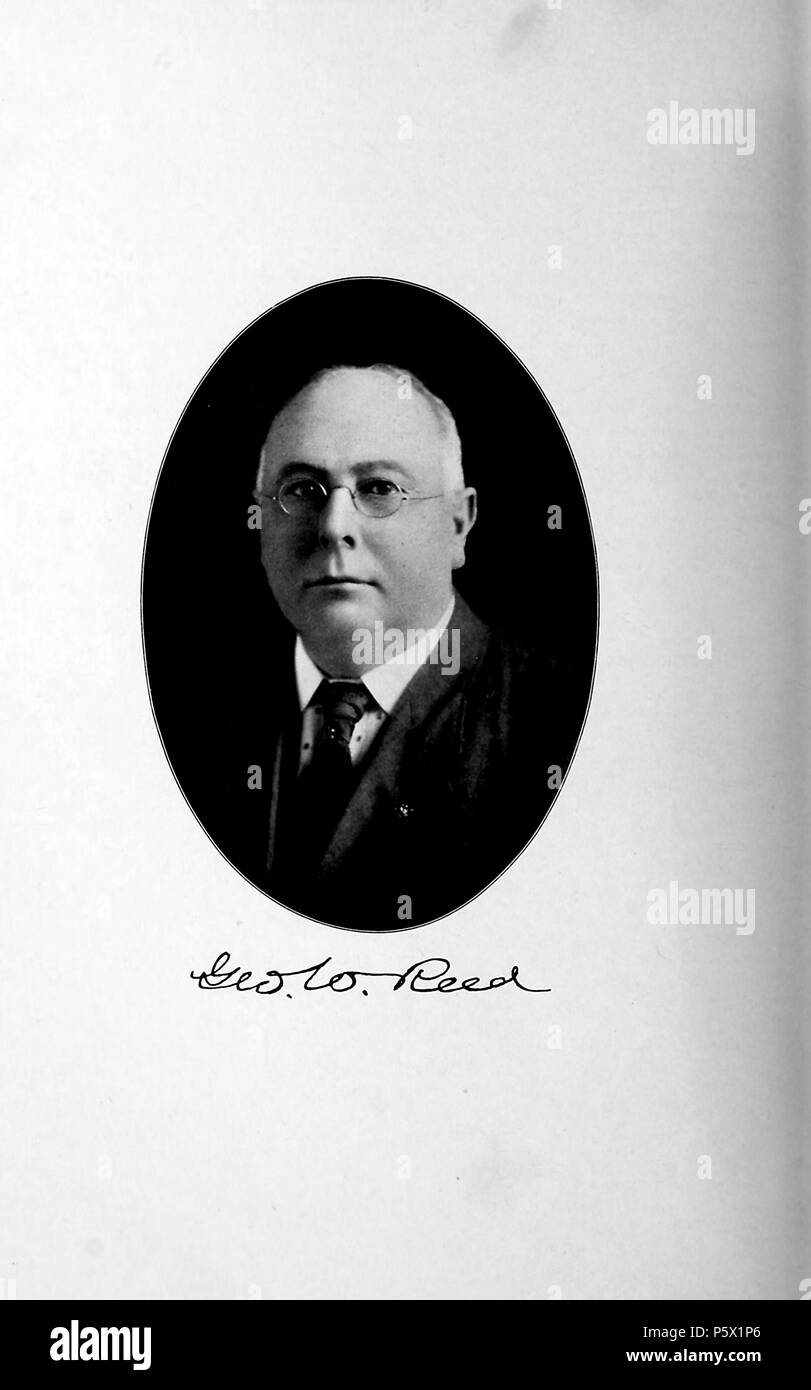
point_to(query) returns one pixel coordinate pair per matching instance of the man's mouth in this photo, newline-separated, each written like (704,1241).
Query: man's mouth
(329,581)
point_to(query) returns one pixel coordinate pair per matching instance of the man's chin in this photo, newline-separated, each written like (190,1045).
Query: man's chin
(334,624)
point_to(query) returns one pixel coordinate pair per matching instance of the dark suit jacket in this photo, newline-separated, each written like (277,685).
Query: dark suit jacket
(452,789)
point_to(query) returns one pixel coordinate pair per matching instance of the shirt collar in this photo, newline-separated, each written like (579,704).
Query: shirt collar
(308,676)
(385,683)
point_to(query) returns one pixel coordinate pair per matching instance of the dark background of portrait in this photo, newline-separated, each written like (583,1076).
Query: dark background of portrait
(209,620)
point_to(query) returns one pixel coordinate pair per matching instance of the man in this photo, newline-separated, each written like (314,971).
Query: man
(411,752)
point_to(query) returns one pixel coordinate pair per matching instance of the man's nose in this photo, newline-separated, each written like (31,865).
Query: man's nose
(338,519)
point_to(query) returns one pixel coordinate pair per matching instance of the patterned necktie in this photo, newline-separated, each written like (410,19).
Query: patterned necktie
(342,703)
(325,784)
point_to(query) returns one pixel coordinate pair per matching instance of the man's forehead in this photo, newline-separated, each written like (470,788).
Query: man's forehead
(355,410)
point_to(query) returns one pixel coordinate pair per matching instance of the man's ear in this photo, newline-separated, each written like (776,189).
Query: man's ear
(463,516)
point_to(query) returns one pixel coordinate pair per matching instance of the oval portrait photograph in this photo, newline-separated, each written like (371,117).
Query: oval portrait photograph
(369,604)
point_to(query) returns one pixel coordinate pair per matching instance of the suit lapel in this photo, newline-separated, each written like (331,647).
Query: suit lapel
(427,696)
(285,744)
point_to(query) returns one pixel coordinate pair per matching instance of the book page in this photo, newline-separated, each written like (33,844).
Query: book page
(615,193)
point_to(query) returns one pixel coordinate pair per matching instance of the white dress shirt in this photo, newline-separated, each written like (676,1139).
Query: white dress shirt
(385,683)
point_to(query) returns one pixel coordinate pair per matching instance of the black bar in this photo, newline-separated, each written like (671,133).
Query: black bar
(505,1339)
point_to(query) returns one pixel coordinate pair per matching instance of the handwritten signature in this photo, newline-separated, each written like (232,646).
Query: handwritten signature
(418,978)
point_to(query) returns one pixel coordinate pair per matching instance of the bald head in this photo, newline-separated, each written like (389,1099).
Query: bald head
(348,399)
